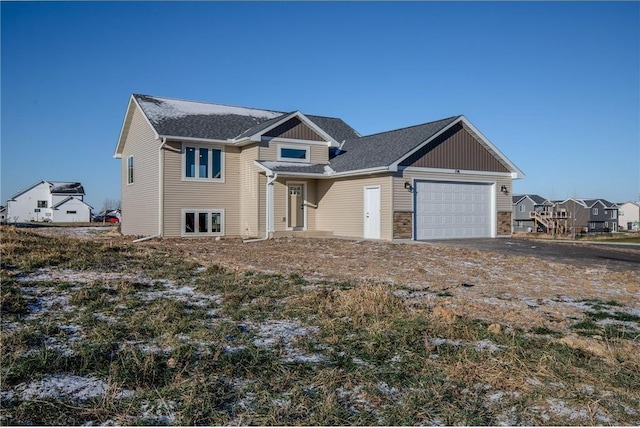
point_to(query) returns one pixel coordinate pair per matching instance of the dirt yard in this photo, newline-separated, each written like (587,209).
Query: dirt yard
(511,290)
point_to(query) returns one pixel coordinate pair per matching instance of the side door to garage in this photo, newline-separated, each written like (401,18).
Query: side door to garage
(446,209)
(372,212)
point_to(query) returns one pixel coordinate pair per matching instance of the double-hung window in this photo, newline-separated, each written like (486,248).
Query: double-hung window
(42,204)
(202,163)
(202,222)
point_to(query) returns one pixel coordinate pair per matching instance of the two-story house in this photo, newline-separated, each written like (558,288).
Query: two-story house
(199,169)
(629,215)
(590,215)
(53,201)
(530,213)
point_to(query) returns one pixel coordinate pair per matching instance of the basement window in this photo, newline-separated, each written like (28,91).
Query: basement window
(202,222)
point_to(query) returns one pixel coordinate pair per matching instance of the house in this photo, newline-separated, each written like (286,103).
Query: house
(531,212)
(629,215)
(590,215)
(51,201)
(200,169)
(3,214)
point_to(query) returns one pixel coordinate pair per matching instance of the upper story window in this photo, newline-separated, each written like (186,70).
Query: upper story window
(521,208)
(130,170)
(42,204)
(293,153)
(613,214)
(202,163)
(595,211)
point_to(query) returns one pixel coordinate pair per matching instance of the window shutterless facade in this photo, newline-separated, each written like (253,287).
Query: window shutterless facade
(202,163)
(130,170)
(199,222)
(42,204)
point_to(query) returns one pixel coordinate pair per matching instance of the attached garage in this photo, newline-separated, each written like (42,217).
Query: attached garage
(448,209)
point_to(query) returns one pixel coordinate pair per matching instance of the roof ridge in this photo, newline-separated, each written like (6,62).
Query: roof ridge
(208,102)
(412,126)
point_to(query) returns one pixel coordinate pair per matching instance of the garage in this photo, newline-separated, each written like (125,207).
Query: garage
(445,209)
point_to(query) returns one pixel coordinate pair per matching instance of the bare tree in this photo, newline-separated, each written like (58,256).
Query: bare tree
(110,205)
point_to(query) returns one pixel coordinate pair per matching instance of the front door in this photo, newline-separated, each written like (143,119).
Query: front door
(296,206)
(372,212)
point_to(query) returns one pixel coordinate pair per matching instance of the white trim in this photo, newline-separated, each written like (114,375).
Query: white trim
(133,170)
(304,203)
(197,211)
(306,148)
(197,147)
(454,171)
(294,141)
(196,140)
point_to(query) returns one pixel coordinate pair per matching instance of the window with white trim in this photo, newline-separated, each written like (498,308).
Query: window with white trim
(595,211)
(293,153)
(42,204)
(522,208)
(202,222)
(130,170)
(202,163)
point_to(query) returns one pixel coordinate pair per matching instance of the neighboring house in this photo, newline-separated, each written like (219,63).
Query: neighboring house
(3,214)
(201,169)
(53,201)
(590,215)
(531,212)
(629,215)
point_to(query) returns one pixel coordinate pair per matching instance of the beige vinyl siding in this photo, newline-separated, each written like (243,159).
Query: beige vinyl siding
(249,192)
(341,205)
(319,153)
(182,194)
(140,199)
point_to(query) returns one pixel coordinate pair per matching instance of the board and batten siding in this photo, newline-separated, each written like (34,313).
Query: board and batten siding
(182,194)
(341,205)
(140,200)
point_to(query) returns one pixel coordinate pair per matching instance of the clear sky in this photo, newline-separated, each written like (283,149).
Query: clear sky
(555,86)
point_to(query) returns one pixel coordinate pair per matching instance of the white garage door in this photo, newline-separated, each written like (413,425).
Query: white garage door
(452,210)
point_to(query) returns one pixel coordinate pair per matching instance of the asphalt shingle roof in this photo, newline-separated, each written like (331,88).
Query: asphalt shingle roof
(385,148)
(192,119)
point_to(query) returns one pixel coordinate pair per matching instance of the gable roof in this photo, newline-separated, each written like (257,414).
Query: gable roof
(385,148)
(537,199)
(55,187)
(67,199)
(182,119)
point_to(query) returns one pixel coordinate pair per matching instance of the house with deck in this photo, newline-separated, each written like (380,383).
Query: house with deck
(195,169)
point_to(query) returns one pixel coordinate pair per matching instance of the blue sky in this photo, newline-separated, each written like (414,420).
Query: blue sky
(555,86)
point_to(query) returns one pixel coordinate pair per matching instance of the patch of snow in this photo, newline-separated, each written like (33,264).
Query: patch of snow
(72,387)
(487,345)
(159,413)
(384,388)
(171,108)
(105,318)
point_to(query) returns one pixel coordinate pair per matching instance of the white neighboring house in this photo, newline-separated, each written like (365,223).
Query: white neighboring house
(3,214)
(629,215)
(53,201)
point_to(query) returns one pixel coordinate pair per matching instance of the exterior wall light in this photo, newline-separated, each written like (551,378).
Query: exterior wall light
(408,186)
(504,189)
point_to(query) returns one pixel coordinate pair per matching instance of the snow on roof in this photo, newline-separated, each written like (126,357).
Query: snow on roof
(161,108)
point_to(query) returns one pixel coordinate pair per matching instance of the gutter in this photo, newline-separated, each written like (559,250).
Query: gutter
(269,208)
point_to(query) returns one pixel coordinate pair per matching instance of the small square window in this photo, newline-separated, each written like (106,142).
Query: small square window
(42,204)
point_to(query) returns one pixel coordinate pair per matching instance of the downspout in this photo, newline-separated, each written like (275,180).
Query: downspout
(269,208)
(160,194)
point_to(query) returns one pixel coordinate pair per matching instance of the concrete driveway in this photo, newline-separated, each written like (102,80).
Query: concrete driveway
(619,257)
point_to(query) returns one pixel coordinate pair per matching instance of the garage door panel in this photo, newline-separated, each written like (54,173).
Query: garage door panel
(452,210)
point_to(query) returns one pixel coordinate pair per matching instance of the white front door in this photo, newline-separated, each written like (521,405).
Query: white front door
(372,212)
(296,206)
